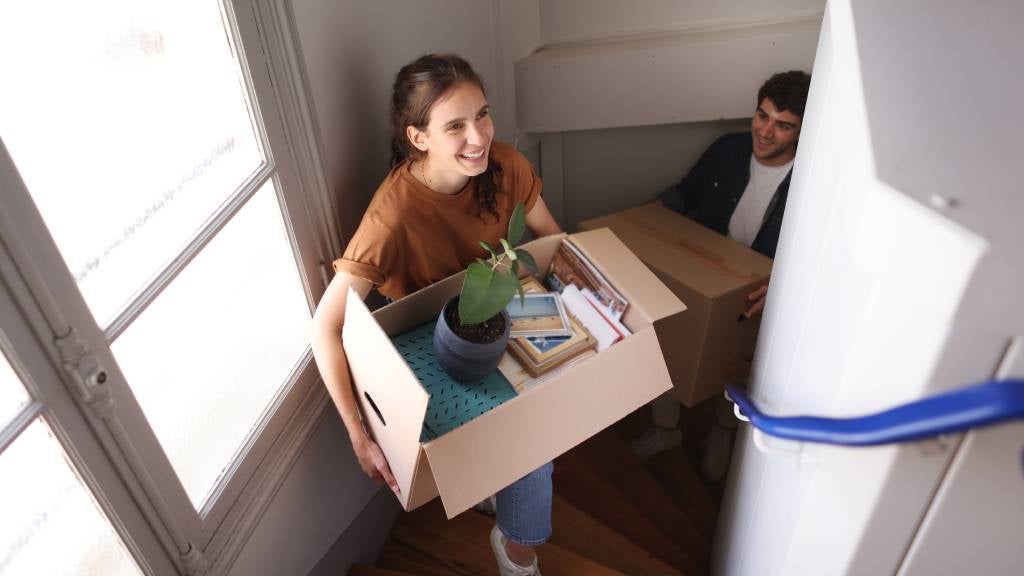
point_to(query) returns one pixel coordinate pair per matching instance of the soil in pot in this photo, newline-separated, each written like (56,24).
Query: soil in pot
(487,331)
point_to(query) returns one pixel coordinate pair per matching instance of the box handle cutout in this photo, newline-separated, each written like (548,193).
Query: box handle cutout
(375,409)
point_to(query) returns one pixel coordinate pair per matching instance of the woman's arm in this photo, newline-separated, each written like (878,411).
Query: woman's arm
(540,221)
(333,364)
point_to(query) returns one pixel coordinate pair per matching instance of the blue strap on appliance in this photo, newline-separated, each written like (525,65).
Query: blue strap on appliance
(979,405)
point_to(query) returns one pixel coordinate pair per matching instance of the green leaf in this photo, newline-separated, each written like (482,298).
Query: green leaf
(509,251)
(490,250)
(517,224)
(474,287)
(484,293)
(527,259)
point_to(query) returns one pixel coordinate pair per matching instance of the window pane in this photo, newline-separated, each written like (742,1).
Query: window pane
(212,351)
(51,524)
(128,123)
(12,394)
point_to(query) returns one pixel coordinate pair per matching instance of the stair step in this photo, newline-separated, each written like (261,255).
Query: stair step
(364,570)
(557,561)
(611,460)
(581,487)
(677,477)
(579,532)
(398,556)
(424,542)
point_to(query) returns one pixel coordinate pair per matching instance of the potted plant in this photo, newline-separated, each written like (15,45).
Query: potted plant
(472,330)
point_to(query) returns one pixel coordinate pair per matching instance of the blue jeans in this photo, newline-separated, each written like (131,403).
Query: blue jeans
(524,508)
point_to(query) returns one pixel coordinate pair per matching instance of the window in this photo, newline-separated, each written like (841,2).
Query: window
(51,523)
(160,234)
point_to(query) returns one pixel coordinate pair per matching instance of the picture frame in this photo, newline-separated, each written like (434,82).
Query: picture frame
(538,314)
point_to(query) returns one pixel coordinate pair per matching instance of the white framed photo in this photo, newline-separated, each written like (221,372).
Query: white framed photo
(538,315)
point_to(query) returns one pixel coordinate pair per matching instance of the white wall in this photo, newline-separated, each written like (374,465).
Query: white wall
(576,20)
(519,23)
(352,51)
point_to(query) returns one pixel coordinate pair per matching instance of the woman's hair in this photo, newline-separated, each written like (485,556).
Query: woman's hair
(418,86)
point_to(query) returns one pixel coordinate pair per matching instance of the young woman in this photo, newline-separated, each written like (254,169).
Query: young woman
(450,186)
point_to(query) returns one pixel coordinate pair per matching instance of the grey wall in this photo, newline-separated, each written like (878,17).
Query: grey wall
(624,97)
(352,51)
(325,491)
(609,170)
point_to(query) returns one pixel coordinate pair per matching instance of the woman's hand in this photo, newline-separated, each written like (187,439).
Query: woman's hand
(373,462)
(328,324)
(756,299)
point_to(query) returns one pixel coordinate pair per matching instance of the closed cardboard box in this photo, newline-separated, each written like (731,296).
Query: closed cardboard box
(710,343)
(467,464)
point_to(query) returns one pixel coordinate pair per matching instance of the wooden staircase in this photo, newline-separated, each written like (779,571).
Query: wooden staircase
(611,515)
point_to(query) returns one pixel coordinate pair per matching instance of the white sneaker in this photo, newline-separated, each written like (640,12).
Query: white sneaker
(714,457)
(506,567)
(487,506)
(654,441)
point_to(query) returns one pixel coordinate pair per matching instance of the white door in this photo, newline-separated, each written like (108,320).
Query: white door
(898,276)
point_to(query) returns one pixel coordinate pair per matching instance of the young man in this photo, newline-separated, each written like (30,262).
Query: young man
(738,188)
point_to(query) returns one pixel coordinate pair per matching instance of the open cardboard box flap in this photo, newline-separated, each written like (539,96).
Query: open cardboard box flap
(488,453)
(391,399)
(711,263)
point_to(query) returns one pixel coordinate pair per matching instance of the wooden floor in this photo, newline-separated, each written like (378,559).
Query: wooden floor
(612,515)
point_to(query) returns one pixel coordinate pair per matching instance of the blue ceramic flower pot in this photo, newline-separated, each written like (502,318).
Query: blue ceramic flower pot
(464,360)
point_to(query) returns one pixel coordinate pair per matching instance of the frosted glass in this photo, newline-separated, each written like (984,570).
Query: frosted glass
(129,124)
(209,355)
(51,524)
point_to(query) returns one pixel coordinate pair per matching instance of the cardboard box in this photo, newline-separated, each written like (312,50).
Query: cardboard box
(708,344)
(490,452)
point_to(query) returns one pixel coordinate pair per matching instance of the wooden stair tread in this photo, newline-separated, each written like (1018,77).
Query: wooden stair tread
(364,570)
(425,542)
(609,458)
(398,556)
(578,485)
(579,532)
(677,477)
(557,561)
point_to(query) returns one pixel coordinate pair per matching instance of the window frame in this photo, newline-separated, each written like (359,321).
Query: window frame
(100,425)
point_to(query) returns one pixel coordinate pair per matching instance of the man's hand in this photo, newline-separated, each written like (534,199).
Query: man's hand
(756,299)
(373,462)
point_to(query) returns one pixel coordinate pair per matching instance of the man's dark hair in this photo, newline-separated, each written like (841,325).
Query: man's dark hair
(787,90)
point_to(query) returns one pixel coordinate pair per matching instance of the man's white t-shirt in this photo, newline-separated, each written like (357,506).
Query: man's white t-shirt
(749,214)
